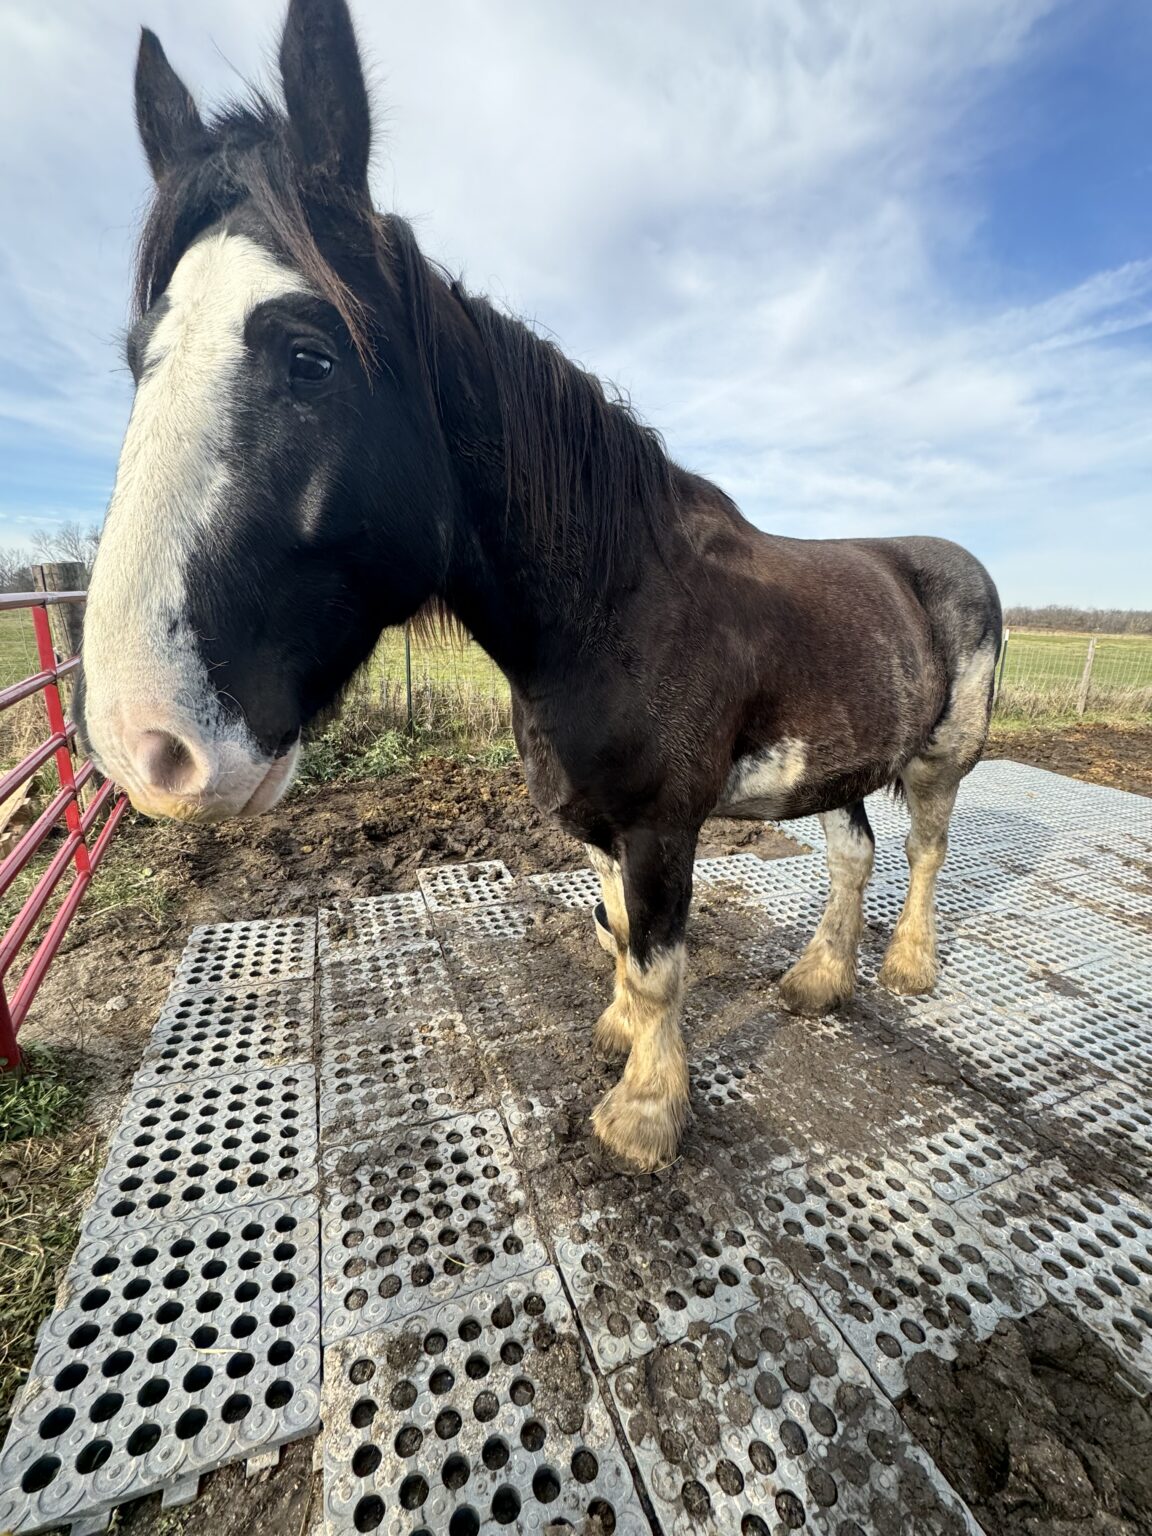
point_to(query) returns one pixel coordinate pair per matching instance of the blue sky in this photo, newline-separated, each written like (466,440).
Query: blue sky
(876,268)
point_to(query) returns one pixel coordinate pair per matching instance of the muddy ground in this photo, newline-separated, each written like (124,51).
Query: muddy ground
(102,996)
(1120,755)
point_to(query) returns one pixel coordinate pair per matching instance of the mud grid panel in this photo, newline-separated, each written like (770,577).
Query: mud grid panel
(1116,1040)
(578,888)
(1089,1248)
(759,878)
(419,1216)
(412,981)
(1117,1121)
(473,1416)
(370,923)
(895,1269)
(465,885)
(201,1146)
(1008,1058)
(486,923)
(962,1157)
(228,1030)
(236,954)
(173,1351)
(646,1261)
(765,1422)
(409,1070)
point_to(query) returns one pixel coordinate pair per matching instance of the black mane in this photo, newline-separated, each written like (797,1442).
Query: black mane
(579,466)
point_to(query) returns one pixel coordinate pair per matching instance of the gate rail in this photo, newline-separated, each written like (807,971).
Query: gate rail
(83,844)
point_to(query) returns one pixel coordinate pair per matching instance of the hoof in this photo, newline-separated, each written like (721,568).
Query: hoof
(643,1132)
(908,971)
(603,931)
(817,983)
(613,1033)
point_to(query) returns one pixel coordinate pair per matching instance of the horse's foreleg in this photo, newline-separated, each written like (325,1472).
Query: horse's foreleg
(910,963)
(641,1118)
(613,1032)
(825,974)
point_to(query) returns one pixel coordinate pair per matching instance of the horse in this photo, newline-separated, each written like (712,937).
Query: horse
(329,436)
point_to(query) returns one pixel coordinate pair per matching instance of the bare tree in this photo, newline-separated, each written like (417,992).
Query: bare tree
(15,570)
(70,542)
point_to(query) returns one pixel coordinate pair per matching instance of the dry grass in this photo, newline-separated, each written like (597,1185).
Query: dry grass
(48,1162)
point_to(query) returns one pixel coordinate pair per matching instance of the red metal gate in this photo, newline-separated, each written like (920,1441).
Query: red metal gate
(83,843)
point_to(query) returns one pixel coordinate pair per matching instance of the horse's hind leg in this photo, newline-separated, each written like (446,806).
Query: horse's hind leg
(930,782)
(825,974)
(641,1118)
(910,963)
(613,1033)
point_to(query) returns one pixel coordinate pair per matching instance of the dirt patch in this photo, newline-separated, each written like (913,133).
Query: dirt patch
(283,1500)
(1119,755)
(1038,1430)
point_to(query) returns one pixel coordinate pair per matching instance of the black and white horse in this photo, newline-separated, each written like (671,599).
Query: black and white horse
(328,435)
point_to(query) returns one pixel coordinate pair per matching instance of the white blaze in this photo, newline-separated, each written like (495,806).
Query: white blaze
(142,671)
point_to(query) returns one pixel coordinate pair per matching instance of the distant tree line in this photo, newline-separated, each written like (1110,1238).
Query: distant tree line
(1100,621)
(69,542)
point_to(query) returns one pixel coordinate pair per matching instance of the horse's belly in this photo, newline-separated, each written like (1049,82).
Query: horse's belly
(763,784)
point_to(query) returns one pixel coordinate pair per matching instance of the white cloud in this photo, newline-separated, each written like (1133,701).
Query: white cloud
(739,214)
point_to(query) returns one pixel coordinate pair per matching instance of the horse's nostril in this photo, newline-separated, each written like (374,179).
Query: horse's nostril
(165,762)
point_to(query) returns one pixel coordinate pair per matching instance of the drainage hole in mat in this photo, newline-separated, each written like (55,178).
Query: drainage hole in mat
(190,1423)
(403,1393)
(236,1408)
(505,1505)
(142,1439)
(56,1422)
(162,1350)
(522,1391)
(40,1474)
(409,1440)
(197,1378)
(584,1466)
(72,1375)
(600,1510)
(365,1460)
(106,1407)
(456,1472)
(93,1456)
(546,1485)
(464,1522)
(448,1424)
(368,1513)
(279,1394)
(363,1413)
(239,1365)
(413,1492)
(495,1453)
(533,1435)
(152,1392)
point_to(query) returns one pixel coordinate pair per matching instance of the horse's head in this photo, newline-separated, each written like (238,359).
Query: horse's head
(284,486)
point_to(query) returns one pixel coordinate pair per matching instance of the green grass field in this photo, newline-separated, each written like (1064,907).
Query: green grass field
(454,682)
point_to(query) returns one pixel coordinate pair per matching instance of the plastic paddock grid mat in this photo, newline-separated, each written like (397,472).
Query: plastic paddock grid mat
(420,1215)
(173,1350)
(477,1411)
(228,1029)
(206,1146)
(785,1295)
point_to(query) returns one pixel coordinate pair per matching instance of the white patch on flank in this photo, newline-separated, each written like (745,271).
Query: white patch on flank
(761,784)
(141,668)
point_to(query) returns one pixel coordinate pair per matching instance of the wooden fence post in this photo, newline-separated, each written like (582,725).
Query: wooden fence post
(67,619)
(1086,677)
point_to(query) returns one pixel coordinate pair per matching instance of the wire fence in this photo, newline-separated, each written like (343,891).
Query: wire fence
(1042,674)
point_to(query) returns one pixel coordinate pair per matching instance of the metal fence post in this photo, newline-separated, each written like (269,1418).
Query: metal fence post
(1003,659)
(1086,677)
(408,677)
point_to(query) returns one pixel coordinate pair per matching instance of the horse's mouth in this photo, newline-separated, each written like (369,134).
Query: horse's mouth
(223,803)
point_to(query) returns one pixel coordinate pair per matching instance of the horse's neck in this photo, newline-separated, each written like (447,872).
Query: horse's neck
(520,594)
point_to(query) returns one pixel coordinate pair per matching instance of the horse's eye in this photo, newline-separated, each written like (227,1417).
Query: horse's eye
(309,367)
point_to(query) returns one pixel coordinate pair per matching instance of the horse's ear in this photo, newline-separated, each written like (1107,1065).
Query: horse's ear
(166,115)
(324,91)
